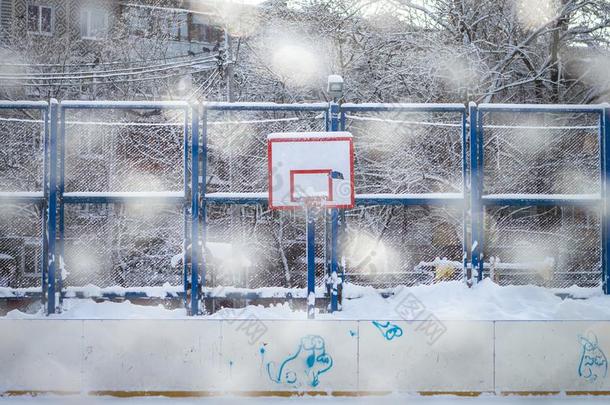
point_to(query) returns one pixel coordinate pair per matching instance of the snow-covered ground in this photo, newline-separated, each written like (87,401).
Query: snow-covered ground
(447,300)
(374,400)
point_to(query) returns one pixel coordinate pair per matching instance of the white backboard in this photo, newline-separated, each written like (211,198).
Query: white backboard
(311,168)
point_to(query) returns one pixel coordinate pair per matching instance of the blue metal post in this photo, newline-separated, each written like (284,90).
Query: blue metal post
(476,209)
(465,193)
(62,177)
(195,212)
(605,164)
(334,267)
(203,162)
(52,209)
(186,257)
(45,207)
(311,263)
(334,228)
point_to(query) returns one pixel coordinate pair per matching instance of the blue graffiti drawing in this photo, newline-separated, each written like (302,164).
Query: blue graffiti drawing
(593,362)
(305,366)
(388,330)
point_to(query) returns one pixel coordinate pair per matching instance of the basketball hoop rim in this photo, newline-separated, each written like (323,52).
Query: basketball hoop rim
(296,172)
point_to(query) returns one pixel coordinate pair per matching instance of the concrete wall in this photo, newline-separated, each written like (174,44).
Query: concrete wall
(250,355)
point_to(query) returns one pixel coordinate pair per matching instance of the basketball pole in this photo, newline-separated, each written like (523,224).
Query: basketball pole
(311,262)
(334,228)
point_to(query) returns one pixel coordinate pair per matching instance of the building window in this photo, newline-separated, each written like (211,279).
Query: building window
(139,20)
(40,19)
(93,24)
(179,27)
(203,31)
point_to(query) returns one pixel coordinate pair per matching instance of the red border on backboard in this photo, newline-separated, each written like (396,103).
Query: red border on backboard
(311,171)
(310,139)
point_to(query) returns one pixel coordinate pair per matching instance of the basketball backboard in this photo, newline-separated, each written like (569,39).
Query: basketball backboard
(311,168)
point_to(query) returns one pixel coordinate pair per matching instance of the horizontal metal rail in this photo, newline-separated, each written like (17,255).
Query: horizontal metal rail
(577,200)
(253,106)
(361,199)
(404,107)
(124,197)
(128,105)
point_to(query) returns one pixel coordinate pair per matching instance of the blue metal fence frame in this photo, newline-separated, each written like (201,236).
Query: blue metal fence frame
(479,201)
(54,198)
(40,200)
(449,199)
(57,193)
(244,198)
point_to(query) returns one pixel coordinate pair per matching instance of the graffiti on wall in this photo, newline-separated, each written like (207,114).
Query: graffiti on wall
(593,363)
(388,330)
(305,366)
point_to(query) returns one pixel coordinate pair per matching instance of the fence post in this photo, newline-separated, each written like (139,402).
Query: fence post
(52,209)
(194,308)
(605,164)
(476,209)
(62,185)
(333,278)
(465,202)
(203,162)
(186,241)
(311,263)
(45,193)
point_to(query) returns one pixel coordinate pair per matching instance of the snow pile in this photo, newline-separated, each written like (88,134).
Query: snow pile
(89,309)
(447,301)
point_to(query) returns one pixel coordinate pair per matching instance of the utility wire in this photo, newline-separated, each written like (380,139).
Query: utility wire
(106,75)
(60,65)
(96,72)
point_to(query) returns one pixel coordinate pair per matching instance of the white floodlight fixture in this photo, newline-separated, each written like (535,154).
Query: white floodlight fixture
(335,86)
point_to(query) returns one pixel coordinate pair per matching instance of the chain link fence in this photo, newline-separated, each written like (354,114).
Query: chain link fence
(112,155)
(126,153)
(251,246)
(403,152)
(22,138)
(542,155)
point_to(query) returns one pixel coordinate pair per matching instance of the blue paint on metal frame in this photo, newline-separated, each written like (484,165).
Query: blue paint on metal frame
(405,107)
(203,147)
(52,209)
(41,199)
(541,108)
(45,192)
(25,105)
(109,198)
(311,263)
(246,106)
(525,200)
(605,135)
(466,205)
(53,194)
(479,201)
(476,208)
(334,113)
(186,241)
(125,105)
(59,250)
(362,199)
(194,309)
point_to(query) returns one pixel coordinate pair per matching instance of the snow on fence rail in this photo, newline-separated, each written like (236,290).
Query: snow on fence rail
(128,182)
